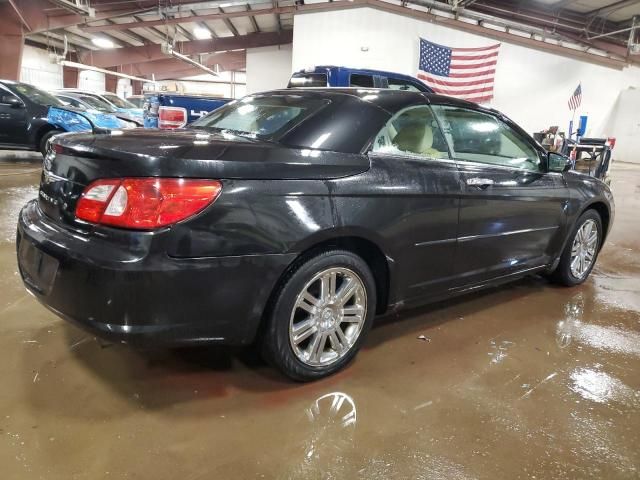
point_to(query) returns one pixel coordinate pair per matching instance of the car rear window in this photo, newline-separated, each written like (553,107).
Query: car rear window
(261,116)
(308,80)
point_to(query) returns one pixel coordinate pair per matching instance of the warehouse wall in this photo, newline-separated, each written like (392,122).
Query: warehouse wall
(91,81)
(268,68)
(625,122)
(38,70)
(531,86)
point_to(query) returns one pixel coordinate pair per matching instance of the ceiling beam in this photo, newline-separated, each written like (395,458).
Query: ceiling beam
(228,23)
(277,14)
(611,7)
(465,26)
(205,26)
(226,61)
(147,53)
(222,15)
(252,18)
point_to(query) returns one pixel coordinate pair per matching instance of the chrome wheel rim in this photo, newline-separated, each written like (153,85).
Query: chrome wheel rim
(583,249)
(328,316)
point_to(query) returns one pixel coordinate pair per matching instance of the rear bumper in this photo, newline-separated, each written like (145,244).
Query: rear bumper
(139,294)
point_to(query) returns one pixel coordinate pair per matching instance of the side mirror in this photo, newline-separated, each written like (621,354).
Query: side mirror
(13,102)
(559,163)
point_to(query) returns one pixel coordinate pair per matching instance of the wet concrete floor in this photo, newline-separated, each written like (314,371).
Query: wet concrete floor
(525,381)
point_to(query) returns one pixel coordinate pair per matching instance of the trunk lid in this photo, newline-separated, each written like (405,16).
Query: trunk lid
(79,159)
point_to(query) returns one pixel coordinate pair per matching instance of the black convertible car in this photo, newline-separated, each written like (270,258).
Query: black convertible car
(291,218)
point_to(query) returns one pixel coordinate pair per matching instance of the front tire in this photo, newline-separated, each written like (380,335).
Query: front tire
(321,315)
(581,251)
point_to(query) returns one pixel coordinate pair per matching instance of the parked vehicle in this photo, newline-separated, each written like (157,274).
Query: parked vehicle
(137,100)
(94,105)
(174,110)
(332,76)
(29,117)
(292,218)
(126,110)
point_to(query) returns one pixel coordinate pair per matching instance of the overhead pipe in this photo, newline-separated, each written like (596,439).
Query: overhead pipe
(168,50)
(60,60)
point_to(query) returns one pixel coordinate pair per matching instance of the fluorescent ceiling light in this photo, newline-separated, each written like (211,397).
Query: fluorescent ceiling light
(201,33)
(102,42)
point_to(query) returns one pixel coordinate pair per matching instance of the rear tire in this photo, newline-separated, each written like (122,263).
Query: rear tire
(320,316)
(581,251)
(42,146)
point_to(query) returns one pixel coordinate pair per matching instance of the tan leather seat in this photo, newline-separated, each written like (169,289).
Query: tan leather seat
(416,138)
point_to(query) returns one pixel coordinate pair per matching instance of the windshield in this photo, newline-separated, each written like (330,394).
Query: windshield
(36,95)
(71,102)
(117,101)
(98,104)
(261,116)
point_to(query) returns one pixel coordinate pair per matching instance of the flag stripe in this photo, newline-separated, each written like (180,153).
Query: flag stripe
(457,93)
(447,83)
(473,57)
(477,49)
(466,73)
(473,74)
(459,66)
(576,98)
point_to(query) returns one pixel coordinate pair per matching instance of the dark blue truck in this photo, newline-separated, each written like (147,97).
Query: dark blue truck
(174,110)
(333,76)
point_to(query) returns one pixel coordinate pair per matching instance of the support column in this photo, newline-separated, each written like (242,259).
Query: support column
(11,42)
(11,47)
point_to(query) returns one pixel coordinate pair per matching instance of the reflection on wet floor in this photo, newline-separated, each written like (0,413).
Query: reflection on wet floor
(526,381)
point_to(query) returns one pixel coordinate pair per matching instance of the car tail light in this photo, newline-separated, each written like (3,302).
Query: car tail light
(145,203)
(172,117)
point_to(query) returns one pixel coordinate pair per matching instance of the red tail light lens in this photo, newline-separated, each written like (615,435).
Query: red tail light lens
(172,117)
(145,203)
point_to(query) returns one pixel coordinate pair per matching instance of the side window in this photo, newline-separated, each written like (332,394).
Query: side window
(396,84)
(412,131)
(479,137)
(358,80)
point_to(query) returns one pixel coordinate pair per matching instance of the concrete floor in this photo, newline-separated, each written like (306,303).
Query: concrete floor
(528,381)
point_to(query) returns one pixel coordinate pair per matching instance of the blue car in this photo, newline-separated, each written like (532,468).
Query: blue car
(91,104)
(124,109)
(29,117)
(332,76)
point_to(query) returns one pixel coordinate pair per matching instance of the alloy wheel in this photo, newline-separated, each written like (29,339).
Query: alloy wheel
(583,249)
(328,316)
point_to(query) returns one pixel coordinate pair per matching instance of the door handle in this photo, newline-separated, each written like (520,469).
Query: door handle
(481,183)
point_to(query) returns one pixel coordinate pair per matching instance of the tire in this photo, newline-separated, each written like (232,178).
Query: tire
(316,321)
(564,274)
(42,146)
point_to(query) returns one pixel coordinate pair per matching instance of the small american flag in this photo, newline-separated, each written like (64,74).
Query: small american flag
(576,98)
(466,73)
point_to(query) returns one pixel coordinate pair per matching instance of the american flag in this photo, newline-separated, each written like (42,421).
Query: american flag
(576,98)
(465,73)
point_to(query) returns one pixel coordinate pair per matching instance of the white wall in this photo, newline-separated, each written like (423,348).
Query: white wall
(625,122)
(91,81)
(38,70)
(268,68)
(532,87)
(124,88)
